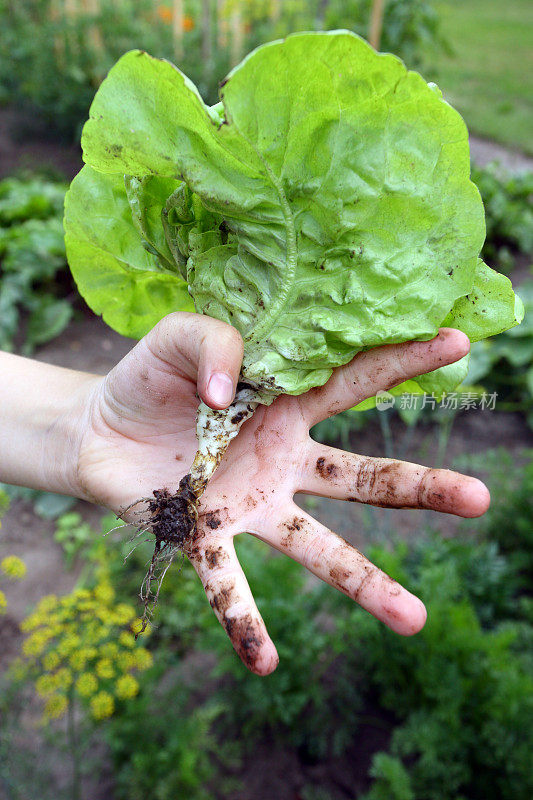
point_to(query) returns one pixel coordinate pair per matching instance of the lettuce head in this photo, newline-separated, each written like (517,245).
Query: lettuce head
(322,207)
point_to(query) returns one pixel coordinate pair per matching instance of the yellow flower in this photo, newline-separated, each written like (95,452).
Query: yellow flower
(86,685)
(79,658)
(63,678)
(137,625)
(82,594)
(68,644)
(32,621)
(103,632)
(51,660)
(3,603)
(126,660)
(142,658)
(127,687)
(102,613)
(102,705)
(127,639)
(14,567)
(55,707)
(109,650)
(86,606)
(34,644)
(45,684)
(47,603)
(123,614)
(104,668)
(104,592)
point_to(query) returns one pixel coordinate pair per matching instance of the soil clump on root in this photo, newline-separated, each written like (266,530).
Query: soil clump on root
(172,520)
(173,516)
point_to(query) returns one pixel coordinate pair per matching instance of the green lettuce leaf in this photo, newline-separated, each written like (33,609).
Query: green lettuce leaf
(490,307)
(324,206)
(118,277)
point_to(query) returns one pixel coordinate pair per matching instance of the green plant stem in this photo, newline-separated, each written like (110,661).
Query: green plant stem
(74,748)
(406,440)
(387,433)
(444,438)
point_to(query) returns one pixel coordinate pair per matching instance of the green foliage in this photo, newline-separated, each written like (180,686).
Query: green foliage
(392,780)
(459,694)
(175,752)
(510,521)
(340,427)
(505,364)
(32,262)
(238,232)
(461,690)
(484,75)
(22,775)
(78,539)
(53,61)
(410,27)
(508,201)
(4,501)
(295,704)
(46,505)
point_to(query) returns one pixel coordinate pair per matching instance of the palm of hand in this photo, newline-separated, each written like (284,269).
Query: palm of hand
(141,435)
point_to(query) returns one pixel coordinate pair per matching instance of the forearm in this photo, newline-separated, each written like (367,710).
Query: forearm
(43,409)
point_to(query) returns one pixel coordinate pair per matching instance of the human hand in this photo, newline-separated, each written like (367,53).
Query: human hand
(139,434)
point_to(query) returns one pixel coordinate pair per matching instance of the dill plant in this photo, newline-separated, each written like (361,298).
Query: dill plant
(81,654)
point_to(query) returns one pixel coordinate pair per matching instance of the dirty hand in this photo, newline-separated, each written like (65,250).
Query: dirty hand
(140,434)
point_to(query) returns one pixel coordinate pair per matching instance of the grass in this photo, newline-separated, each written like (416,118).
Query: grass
(487,77)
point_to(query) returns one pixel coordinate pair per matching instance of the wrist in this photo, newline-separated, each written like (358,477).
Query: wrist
(45,411)
(61,443)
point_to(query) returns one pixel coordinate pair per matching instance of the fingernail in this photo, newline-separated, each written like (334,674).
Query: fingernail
(220,388)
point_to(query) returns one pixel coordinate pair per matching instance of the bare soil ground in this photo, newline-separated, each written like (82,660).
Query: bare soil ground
(22,146)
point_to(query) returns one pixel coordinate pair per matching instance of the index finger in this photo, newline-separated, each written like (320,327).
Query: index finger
(379,369)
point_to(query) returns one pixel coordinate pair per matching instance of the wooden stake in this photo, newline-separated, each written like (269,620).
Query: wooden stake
(376,23)
(59,42)
(222,24)
(177,28)
(206,34)
(237,35)
(92,8)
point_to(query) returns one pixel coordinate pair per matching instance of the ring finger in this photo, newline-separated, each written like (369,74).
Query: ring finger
(334,560)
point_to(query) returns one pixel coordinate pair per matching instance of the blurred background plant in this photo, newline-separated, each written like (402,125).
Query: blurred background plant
(33,268)
(12,568)
(508,201)
(81,650)
(56,54)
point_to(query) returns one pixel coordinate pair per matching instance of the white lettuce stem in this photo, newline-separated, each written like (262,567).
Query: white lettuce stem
(216,429)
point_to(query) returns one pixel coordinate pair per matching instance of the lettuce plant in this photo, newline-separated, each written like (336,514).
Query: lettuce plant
(322,207)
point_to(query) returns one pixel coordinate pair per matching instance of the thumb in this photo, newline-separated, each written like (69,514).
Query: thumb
(203,349)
